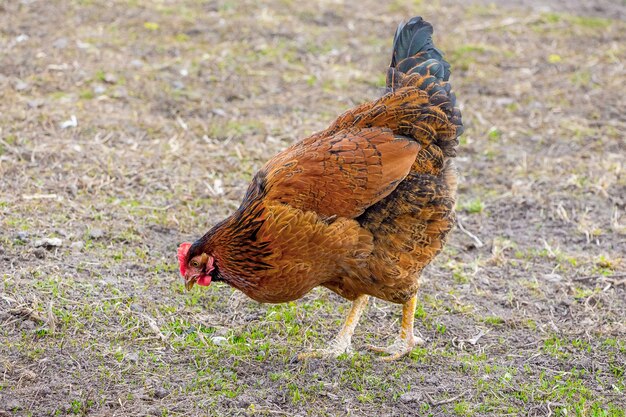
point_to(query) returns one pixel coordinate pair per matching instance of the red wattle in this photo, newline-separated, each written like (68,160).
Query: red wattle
(204,280)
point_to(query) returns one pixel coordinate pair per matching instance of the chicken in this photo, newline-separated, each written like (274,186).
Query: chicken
(359,208)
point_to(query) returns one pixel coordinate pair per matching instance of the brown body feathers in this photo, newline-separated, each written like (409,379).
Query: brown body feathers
(361,207)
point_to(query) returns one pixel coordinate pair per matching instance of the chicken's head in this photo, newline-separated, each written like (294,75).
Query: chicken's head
(195,268)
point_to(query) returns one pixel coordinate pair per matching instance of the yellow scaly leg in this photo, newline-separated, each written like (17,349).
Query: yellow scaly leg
(341,343)
(407,341)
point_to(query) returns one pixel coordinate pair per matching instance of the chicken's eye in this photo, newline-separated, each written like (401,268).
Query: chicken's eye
(195,263)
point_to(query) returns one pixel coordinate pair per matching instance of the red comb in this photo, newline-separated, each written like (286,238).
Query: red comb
(183,249)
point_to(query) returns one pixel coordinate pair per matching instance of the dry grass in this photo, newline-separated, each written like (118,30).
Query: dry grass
(128,127)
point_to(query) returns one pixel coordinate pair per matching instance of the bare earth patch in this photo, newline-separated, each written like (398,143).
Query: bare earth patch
(127,127)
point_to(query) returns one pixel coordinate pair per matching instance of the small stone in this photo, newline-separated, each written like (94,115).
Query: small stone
(99,89)
(160,392)
(219,112)
(504,101)
(83,45)
(49,242)
(23,236)
(135,63)
(107,280)
(96,233)
(77,246)
(553,277)
(411,396)
(72,189)
(178,85)
(110,78)
(136,307)
(21,85)
(132,357)
(33,104)
(40,253)
(60,43)
(62,232)
(69,123)
(219,340)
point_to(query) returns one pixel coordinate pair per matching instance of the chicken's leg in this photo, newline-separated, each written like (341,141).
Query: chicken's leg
(341,343)
(407,341)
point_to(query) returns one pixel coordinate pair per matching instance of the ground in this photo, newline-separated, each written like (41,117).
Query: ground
(127,127)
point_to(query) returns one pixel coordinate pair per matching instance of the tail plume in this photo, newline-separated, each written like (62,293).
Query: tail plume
(416,62)
(414,51)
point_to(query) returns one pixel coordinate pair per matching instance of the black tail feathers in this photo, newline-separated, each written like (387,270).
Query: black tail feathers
(414,51)
(416,62)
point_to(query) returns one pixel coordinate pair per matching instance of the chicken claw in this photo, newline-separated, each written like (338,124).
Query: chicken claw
(407,341)
(399,349)
(335,349)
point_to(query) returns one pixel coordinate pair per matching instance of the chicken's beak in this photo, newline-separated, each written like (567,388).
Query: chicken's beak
(189,283)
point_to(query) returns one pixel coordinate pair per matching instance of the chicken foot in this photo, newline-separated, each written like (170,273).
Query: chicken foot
(342,342)
(407,341)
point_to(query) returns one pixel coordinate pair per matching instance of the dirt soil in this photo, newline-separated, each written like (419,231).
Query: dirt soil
(127,127)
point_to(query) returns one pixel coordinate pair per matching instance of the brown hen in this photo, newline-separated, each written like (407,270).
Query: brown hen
(359,208)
